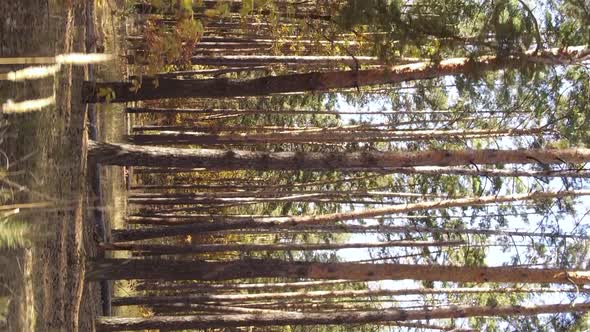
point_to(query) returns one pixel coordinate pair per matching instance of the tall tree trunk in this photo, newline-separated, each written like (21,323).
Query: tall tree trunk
(164,249)
(115,269)
(491,172)
(176,307)
(360,317)
(155,300)
(210,287)
(276,193)
(212,159)
(270,193)
(232,111)
(212,200)
(225,111)
(249,184)
(271,222)
(325,136)
(318,81)
(338,228)
(264,60)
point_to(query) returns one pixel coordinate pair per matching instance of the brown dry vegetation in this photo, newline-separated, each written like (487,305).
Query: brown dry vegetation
(43,284)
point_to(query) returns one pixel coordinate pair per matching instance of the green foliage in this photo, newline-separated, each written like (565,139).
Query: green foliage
(566,22)
(165,43)
(513,25)
(432,28)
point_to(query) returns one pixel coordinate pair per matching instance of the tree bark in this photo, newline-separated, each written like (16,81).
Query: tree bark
(212,159)
(339,228)
(322,136)
(245,198)
(489,172)
(360,317)
(226,111)
(248,184)
(269,193)
(318,81)
(212,200)
(175,307)
(272,222)
(264,60)
(115,269)
(163,249)
(194,299)
(209,287)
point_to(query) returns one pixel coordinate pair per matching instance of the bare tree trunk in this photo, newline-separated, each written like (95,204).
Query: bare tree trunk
(164,249)
(114,269)
(230,111)
(270,193)
(361,317)
(264,60)
(489,172)
(93,92)
(210,287)
(249,184)
(191,299)
(234,201)
(175,307)
(168,220)
(322,136)
(147,233)
(212,159)
(221,197)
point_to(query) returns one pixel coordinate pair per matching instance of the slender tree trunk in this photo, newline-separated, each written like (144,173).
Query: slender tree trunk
(250,184)
(402,229)
(212,159)
(222,111)
(326,136)
(193,299)
(226,202)
(114,269)
(188,199)
(269,193)
(210,287)
(164,249)
(272,222)
(360,317)
(177,219)
(143,198)
(264,60)
(168,220)
(423,326)
(489,172)
(318,81)
(175,307)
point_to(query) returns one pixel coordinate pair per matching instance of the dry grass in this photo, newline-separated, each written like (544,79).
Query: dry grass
(48,154)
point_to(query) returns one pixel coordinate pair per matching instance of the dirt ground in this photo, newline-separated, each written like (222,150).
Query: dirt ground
(46,151)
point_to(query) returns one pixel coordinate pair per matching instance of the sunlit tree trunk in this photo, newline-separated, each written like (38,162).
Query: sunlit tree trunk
(322,136)
(211,287)
(114,269)
(212,159)
(270,222)
(257,60)
(225,111)
(163,249)
(155,300)
(491,172)
(308,318)
(317,81)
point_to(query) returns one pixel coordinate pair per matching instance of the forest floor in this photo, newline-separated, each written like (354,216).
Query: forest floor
(42,283)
